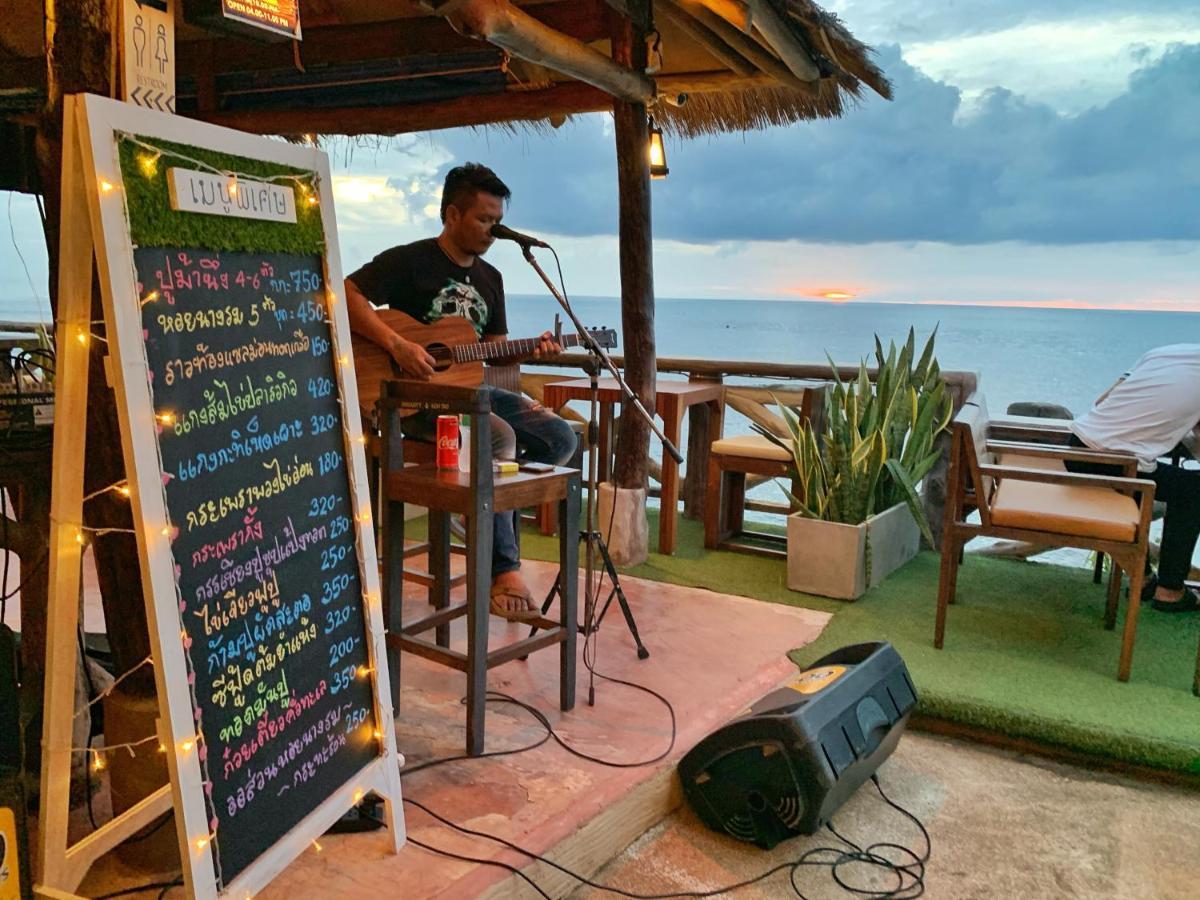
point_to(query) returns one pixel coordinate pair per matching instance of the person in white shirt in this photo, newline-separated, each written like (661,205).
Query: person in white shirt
(1148,412)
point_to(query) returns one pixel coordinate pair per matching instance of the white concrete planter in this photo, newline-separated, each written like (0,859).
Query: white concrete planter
(831,559)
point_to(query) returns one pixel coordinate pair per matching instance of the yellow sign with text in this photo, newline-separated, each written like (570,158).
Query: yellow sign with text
(10,865)
(813,680)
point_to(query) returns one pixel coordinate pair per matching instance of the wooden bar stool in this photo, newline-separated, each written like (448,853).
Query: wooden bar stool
(477,495)
(730,460)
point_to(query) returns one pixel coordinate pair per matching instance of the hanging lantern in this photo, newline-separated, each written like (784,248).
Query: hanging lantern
(658,153)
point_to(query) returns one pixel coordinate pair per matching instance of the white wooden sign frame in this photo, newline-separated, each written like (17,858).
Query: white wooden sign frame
(94,219)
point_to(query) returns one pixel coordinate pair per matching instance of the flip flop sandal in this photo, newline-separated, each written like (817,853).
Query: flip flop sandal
(1187,603)
(499,608)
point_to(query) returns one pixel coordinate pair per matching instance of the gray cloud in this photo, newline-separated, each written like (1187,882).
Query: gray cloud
(905,20)
(902,171)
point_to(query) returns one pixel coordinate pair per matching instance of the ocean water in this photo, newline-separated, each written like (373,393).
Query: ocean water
(1065,356)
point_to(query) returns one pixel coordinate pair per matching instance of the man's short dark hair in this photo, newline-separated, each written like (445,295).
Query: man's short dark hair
(465,181)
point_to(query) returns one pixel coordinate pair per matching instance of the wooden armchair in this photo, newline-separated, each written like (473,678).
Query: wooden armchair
(1038,502)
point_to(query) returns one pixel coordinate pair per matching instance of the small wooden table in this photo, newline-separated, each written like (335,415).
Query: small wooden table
(672,399)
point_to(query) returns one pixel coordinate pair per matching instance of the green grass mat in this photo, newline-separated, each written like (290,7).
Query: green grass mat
(1026,653)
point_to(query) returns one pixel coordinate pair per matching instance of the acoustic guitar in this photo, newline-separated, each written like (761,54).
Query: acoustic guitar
(458,353)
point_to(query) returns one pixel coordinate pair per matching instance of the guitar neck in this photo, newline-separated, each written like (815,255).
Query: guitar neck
(487,350)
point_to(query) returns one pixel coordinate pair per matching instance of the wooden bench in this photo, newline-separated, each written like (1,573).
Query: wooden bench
(1043,504)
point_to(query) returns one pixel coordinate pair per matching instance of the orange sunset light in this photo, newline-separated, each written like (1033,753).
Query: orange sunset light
(836,295)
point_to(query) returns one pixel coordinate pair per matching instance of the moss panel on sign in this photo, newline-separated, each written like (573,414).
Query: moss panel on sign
(152,222)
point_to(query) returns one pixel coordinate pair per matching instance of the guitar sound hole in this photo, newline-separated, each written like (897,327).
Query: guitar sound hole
(442,360)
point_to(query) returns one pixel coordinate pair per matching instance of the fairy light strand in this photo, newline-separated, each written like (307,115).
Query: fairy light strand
(148,661)
(305,178)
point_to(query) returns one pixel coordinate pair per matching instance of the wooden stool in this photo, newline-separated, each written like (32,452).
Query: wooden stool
(477,495)
(729,461)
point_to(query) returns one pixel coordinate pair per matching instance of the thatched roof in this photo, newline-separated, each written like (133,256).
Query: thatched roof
(391,66)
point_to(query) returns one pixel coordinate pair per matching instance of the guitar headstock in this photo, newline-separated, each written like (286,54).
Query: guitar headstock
(605,337)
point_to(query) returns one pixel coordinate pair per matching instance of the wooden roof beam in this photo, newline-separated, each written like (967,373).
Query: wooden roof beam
(511,29)
(706,39)
(743,44)
(337,44)
(566,99)
(783,40)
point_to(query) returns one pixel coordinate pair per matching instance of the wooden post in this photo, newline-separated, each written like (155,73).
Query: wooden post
(637,257)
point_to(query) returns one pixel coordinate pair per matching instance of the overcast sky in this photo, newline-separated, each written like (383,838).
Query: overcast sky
(1034,154)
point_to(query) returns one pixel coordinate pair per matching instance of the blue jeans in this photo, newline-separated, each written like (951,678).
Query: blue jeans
(521,429)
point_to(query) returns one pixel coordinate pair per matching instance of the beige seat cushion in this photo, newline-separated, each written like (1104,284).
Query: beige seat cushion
(754,446)
(1032,462)
(1090,512)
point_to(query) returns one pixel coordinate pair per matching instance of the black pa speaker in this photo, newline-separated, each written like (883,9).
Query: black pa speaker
(785,766)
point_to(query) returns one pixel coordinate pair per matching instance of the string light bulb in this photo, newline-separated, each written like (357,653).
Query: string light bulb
(97,761)
(123,490)
(233,186)
(82,337)
(151,297)
(317,847)
(166,418)
(106,186)
(186,746)
(363,671)
(358,795)
(148,163)
(201,843)
(78,536)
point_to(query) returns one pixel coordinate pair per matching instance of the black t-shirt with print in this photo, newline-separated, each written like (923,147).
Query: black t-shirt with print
(420,280)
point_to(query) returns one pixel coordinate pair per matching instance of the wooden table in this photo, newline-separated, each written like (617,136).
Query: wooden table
(672,400)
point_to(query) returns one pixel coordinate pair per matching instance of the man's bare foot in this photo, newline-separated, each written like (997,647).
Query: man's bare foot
(1166,595)
(510,597)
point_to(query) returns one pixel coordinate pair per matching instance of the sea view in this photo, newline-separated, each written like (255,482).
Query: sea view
(1066,356)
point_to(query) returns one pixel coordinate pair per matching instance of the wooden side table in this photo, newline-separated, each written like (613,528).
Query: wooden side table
(672,400)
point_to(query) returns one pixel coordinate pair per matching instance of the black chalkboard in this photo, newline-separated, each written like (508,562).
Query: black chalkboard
(253,454)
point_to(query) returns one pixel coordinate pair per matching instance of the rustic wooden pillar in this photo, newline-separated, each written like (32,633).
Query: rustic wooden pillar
(636,253)
(78,60)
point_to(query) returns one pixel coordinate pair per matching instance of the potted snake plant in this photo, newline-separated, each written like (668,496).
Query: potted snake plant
(856,514)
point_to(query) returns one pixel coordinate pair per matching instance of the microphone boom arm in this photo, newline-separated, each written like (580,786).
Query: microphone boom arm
(590,344)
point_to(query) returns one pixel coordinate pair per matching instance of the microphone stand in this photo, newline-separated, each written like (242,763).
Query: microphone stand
(595,541)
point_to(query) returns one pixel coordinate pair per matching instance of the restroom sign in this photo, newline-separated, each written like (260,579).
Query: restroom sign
(148,46)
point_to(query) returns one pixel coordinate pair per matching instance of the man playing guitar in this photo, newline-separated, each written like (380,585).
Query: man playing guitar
(445,276)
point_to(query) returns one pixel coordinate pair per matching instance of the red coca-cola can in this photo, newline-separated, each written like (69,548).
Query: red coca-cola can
(447,442)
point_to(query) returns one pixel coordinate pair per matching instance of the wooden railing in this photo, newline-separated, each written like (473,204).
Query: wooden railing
(800,385)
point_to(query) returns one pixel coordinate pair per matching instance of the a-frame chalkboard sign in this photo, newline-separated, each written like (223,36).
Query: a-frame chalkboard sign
(228,349)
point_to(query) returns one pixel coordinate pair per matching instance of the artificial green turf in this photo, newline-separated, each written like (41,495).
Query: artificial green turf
(1026,654)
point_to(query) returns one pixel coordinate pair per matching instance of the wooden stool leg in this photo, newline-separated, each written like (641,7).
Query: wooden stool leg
(479,582)
(393,591)
(439,569)
(1098,572)
(568,588)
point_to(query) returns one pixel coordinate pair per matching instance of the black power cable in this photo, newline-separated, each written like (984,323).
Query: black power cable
(908,872)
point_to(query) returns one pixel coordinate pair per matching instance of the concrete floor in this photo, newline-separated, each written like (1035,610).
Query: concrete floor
(1002,826)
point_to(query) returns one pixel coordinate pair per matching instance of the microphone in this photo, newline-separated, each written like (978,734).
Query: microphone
(504,233)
